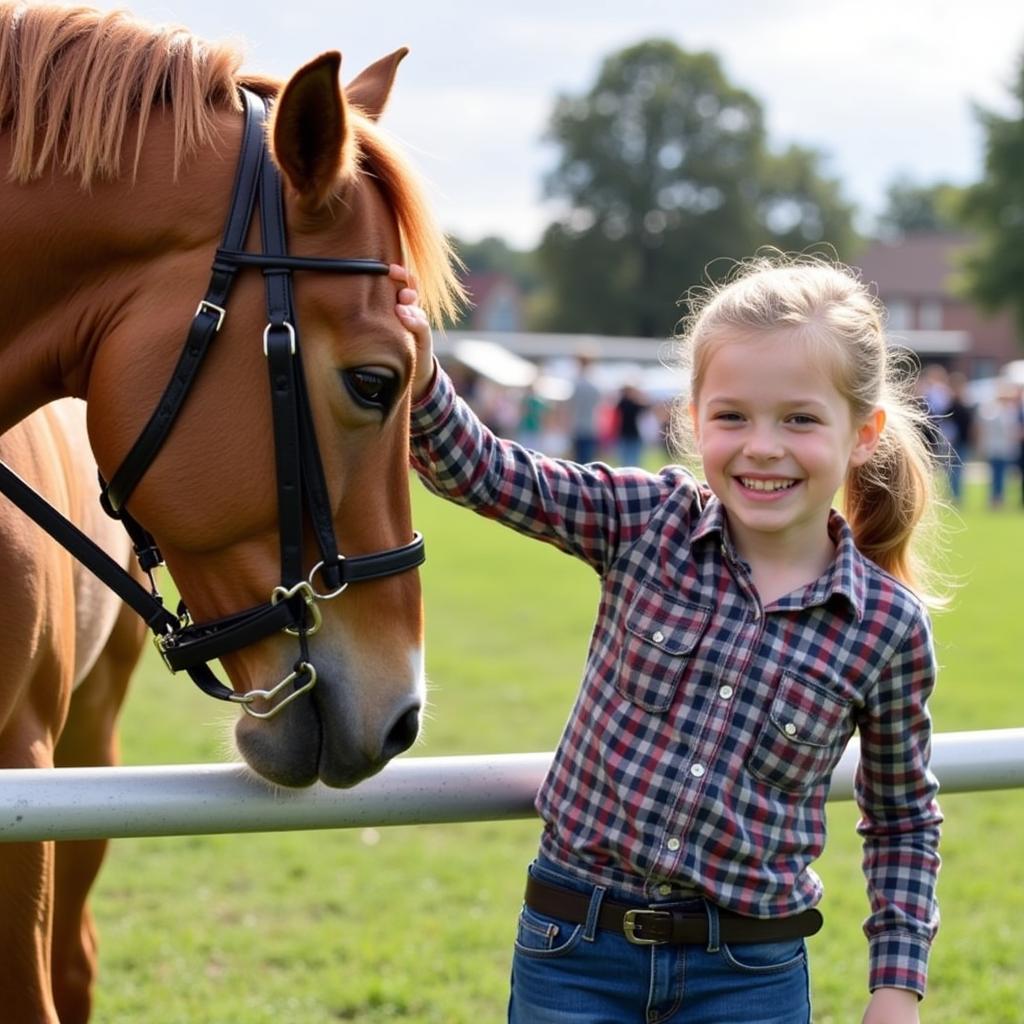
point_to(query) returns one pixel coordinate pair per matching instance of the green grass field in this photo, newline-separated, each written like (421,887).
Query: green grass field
(416,924)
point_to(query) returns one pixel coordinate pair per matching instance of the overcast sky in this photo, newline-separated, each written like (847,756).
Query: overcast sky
(883,87)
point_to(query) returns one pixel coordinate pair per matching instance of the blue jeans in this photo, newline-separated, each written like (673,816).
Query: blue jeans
(997,480)
(564,973)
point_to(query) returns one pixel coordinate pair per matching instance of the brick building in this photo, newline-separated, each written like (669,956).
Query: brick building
(496,302)
(916,279)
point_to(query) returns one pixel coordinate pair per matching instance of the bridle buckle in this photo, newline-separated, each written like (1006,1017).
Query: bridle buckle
(291,336)
(205,306)
(161,641)
(246,699)
(339,562)
(164,641)
(309,595)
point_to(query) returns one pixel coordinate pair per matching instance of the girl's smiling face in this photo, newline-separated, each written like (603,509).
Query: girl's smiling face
(776,438)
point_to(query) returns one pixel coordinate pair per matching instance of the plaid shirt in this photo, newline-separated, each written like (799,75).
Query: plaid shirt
(700,748)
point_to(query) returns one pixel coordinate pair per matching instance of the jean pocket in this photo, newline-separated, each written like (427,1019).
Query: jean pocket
(661,634)
(805,735)
(539,935)
(764,957)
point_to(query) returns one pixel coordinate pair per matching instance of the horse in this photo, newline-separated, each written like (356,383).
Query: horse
(121,145)
(69,647)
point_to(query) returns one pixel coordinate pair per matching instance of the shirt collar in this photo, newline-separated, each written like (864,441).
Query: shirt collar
(846,576)
(712,517)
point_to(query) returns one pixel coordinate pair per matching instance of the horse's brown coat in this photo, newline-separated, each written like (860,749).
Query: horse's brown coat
(68,647)
(119,142)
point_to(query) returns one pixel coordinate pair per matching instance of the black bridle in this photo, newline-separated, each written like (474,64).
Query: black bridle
(292,606)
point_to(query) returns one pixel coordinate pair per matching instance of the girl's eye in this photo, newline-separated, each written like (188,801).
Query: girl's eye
(802,420)
(372,389)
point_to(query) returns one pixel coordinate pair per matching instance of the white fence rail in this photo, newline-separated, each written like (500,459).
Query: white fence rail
(166,800)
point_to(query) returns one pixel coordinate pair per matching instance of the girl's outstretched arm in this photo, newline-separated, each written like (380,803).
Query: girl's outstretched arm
(591,511)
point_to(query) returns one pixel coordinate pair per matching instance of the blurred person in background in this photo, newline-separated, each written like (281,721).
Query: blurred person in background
(631,407)
(532,412)
(583,409)
(999,434)
(957,427)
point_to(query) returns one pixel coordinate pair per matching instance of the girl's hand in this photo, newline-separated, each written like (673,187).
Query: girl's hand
(414,320)
(892,1006)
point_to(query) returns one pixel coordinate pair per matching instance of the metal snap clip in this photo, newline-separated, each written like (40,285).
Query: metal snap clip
(309,595)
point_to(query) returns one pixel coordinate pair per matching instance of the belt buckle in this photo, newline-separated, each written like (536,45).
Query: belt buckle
(634,918)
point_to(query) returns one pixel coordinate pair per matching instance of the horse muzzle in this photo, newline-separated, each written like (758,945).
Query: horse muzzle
(320,731)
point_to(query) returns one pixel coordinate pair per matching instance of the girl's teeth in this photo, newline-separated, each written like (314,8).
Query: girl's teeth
(767,485)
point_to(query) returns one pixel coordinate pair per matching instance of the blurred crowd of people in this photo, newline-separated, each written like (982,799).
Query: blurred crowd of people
(624,427)
(627,427)
(988,433)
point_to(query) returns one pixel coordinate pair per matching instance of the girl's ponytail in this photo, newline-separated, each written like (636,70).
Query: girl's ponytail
(890,502)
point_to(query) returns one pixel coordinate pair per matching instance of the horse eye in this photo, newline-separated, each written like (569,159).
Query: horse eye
(372,389)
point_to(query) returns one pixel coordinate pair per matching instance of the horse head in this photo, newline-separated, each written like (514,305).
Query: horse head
(209,497)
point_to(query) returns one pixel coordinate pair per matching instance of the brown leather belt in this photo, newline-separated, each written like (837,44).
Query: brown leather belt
(650,926)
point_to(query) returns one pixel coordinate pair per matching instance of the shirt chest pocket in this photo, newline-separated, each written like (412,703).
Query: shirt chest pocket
(660,637)
(805,735)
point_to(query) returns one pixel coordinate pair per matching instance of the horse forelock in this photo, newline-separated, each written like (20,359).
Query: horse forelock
(426,249)
(71,79)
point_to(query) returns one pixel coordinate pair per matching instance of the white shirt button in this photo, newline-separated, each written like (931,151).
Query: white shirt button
(665,889)
(725,692)
(673,844)
(697,770)
(790,729)
(658,637)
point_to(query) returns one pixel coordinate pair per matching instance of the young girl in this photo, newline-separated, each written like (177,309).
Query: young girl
(745,630)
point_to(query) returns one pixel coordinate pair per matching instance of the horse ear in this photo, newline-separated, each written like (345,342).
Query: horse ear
(308,132)
(370,89)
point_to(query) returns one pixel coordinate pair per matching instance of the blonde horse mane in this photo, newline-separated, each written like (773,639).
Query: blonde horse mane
(71,78)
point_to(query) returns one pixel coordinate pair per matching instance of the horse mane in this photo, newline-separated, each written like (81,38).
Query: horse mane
(72,77)
(428,252)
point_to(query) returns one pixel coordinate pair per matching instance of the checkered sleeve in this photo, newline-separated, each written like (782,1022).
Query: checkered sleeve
(590,511)
(900,818)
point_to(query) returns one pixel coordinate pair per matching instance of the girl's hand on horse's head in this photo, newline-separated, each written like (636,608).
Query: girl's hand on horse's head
(414,320)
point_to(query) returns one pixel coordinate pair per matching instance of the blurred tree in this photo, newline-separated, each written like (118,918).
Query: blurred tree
(799,206)
(912,208)
(495,255)
(664,168)
(994,208)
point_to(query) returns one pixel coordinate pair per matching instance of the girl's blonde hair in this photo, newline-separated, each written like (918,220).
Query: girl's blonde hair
(890,501)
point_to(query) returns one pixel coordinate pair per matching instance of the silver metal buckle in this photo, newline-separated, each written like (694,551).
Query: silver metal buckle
(160,642)
(334,593)
(291,336)
(211,307)
(163,641)
(309,595)
(629,926)
(246,699)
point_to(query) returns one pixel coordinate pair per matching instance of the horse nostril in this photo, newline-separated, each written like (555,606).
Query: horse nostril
(402,735)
